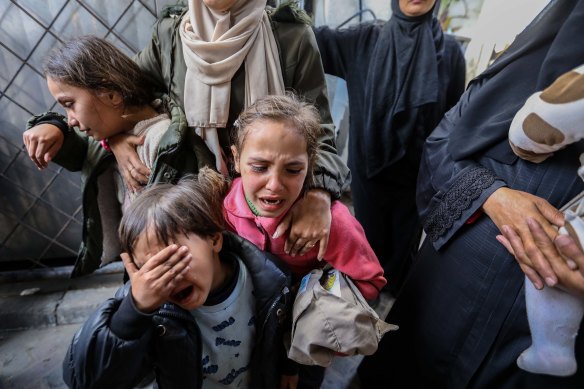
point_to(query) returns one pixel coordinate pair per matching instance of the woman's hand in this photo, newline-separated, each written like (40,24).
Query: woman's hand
(510,209)
(135,173)
(42,143)
(559,254)
(309,221)
(154,282)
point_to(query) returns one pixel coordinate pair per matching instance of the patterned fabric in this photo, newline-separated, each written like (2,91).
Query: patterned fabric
(459,198)
(228,333)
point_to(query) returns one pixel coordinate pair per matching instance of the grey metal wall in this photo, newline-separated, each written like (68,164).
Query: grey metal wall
(40,212)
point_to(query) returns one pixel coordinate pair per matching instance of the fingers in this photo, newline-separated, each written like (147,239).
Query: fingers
(167,273)
(130,266)
(156,280)
(307,223)
(323,246)
(34,150)
(40,153)
(140,172)
(175,267)
(532,276)
(31,146)
(288,245)
(307,247)
(540,250)
(135,178)
(283,226)
(552,214)
(134,171)
(51,152)
(132,185)
(299,246)
(42,143)
(505,242)
(136,140)
(517,247)
(569,249)
(166,258)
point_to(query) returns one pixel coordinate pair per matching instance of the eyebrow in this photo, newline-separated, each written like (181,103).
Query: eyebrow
(258,159)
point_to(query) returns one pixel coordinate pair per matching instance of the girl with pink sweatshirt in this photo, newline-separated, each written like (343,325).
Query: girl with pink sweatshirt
(274,150)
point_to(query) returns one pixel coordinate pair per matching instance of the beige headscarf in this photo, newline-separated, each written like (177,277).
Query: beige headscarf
(215,45)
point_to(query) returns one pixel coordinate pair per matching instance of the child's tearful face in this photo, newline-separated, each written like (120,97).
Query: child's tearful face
(273,164)
(204,273)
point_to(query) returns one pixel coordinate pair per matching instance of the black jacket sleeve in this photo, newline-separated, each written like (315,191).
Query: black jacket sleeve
(342,49)
(112,348)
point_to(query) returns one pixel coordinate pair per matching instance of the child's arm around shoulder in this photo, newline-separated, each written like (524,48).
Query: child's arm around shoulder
(349,252)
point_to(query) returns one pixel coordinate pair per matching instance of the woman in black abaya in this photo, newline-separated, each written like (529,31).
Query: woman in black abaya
(461,311)
(402,76)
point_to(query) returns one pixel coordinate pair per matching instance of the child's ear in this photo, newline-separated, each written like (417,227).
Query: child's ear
(235,158)
(113,98)
(217,240)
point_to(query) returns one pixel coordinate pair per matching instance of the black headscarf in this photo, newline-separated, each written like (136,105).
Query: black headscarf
(551,45)
(403,75)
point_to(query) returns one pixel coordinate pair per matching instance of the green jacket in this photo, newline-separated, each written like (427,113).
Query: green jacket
(163,60)
(181,151)
(302,71)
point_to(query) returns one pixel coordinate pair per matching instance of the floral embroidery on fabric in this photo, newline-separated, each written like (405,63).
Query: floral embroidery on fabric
(459,198)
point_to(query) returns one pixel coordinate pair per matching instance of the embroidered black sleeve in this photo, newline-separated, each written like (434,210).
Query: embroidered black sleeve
(459,198)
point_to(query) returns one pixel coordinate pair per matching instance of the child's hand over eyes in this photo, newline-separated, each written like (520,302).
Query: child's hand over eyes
(154,282)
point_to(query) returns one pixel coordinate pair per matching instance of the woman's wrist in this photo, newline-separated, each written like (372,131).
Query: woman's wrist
(319,193)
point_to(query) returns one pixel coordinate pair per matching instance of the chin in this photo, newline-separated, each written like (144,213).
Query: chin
(190,305)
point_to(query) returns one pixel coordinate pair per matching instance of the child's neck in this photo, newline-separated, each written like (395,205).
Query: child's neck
(225,283)
(252,207)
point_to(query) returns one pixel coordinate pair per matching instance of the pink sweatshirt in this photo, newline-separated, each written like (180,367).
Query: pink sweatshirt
(348,250)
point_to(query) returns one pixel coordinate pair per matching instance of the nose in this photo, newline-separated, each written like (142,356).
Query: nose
(274,182)
(71,121)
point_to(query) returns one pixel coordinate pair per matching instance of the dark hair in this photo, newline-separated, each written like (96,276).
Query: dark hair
(93,63)
(302,117)
(193,205)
